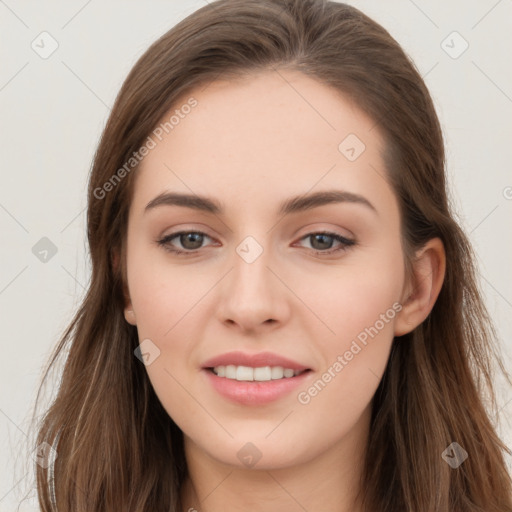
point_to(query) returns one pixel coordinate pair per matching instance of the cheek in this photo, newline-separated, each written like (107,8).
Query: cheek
(165,314)
(353,296)
(358,305)
(166,301)
(163,295)
(354,357)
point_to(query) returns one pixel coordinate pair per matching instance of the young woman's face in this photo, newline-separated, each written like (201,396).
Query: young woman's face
(266,165)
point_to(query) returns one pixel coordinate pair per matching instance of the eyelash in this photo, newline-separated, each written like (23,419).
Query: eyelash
(346,243)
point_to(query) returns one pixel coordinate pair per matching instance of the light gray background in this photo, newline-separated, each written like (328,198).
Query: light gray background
(53,111)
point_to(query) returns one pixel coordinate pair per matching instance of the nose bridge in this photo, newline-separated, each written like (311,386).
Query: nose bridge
(251,277)
(251,295)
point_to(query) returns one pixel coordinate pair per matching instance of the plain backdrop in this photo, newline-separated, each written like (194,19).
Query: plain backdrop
(54,107)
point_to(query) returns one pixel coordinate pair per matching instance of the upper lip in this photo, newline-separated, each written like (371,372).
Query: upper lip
(253,360)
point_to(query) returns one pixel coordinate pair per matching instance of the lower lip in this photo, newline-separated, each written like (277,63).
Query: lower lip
(255,392)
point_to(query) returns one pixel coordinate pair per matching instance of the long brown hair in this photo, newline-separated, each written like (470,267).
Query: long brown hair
(117,448)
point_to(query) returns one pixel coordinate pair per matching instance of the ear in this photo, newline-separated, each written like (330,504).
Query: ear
(129,314)
(422,289)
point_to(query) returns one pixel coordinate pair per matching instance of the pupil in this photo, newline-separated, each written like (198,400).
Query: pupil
(324,244)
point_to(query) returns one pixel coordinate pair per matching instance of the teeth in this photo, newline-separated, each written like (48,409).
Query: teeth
(264,373)
(230,371)
(277,372)
(261,374)
(244,373)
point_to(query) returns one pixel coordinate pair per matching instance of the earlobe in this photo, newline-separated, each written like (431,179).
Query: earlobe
(421,294)
(129,315)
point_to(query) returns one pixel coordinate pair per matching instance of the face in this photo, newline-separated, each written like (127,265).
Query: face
(288,260)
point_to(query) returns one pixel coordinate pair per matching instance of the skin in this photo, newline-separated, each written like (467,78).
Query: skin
(251,144)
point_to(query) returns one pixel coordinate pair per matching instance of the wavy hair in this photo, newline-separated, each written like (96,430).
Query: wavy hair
(117,447)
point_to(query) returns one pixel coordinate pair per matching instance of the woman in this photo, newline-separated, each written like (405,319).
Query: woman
(283,313)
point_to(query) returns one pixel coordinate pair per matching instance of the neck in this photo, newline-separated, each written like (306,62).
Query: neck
(329,481)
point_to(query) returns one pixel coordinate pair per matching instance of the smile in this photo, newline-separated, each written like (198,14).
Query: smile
(260,374)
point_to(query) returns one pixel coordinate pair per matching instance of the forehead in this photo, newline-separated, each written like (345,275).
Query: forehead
(273,133)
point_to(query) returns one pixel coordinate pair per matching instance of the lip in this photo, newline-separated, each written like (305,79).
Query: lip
(254,360)
(254,392)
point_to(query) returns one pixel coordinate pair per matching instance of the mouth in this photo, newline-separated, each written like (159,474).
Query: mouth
(254,379)
(259,374)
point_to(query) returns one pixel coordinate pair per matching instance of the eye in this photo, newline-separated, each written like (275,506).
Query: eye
(189,240)
(321,242)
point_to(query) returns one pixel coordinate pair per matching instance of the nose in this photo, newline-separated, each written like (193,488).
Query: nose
(252,297)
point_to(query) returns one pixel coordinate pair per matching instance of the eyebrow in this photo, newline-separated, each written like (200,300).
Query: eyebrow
(292,205)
